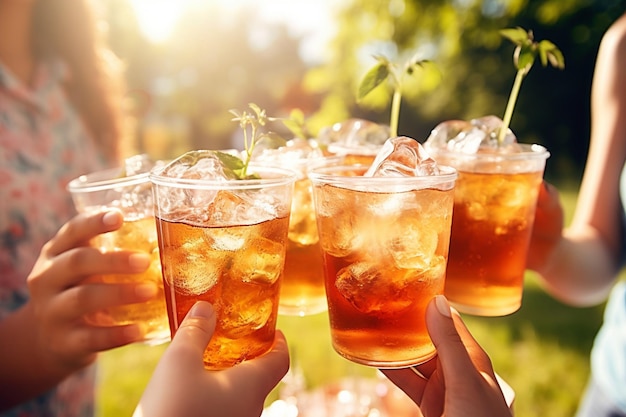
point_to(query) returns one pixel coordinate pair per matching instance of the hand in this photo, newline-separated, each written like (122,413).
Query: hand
(61,297)
(181,386)
(547,229)
(460,382)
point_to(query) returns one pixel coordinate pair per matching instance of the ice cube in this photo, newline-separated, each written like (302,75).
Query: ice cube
(293,153)
(402,157)
(245,307)
(200,164)
(354,133)
(225,239)
(416,248)
(138,164)
(476,135)
(191,269)
(339,239)
(375,288)
(260,261)
(220,207)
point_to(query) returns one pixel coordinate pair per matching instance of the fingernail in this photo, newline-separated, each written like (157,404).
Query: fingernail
(111,218)
(443,306)
(139,261)
(202,309)
(147,290)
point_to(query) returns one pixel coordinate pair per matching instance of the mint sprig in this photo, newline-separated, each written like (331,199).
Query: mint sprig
(385,70)
(524,57)
(252,124)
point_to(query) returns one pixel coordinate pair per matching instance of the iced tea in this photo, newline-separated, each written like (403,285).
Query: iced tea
(237,269)
(385,244)
(223,241)
(137,235)
(494,212)
(302,290)
(491,228)
(129,190)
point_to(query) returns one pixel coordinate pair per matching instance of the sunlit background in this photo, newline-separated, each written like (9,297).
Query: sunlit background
(189,61)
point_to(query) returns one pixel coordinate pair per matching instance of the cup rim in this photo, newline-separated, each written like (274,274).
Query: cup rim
(105,179)
(328,175)
(529,152)
(281,176)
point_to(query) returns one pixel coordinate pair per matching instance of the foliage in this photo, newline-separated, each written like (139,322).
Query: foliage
(385,70)
(463,38)
(524,57)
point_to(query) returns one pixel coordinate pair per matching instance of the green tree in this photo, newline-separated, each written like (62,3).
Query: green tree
(462,38)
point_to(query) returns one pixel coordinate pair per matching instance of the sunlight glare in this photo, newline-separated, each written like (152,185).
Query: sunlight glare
(157,18)
(308,19)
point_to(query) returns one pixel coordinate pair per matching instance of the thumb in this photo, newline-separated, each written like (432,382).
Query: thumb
(197,328)
(453,353)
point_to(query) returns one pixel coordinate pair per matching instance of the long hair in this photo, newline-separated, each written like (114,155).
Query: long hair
(68,29)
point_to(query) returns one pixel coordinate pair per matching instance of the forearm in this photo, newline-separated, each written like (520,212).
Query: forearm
(25,372)
(581,270)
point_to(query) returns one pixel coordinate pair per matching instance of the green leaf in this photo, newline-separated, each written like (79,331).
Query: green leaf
(517,35)
(234,167)
(525,57)
(272,140)
(373,78)
(548,52)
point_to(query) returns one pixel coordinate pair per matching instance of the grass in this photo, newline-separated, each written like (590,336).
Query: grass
(542,351)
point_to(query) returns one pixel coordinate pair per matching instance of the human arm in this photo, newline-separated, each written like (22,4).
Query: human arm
(583,263)
(460,381)
(181,386)
(47,339)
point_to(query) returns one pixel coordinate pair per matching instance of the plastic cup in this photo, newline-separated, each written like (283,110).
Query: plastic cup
(494,210)
(132,195)
(385,246)
(224,241)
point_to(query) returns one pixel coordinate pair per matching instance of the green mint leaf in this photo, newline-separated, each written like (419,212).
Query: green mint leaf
(296,124)
(525,57)
(548,52)
(517,35)
(373,78)
(233,166)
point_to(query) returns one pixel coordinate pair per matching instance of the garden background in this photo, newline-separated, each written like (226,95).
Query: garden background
(217,58)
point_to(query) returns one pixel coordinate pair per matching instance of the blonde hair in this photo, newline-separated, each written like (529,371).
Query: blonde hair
(68,29)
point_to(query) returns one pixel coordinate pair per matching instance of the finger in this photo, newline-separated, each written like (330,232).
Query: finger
(195,331)
(408,381)
(71,267)
(451,343)
(82,343)
(87,298)
(265,372)
(82,228)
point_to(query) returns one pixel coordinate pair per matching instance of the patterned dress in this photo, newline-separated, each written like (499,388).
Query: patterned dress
(43,145)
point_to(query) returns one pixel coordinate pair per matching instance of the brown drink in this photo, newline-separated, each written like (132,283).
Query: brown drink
(130,192)
(494,211)
(224,241)
(385,243)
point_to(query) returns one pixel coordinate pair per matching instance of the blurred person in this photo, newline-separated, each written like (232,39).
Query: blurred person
(579,265)
(181,386)
(59,118)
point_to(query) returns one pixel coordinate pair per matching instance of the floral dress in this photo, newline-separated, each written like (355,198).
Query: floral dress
(43,145)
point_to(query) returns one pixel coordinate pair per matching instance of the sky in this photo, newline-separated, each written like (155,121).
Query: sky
(310,20)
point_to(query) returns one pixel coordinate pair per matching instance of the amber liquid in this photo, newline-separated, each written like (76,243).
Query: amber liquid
(491,228)
(302,291)
(385,259)
(238,269)
(151,316)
